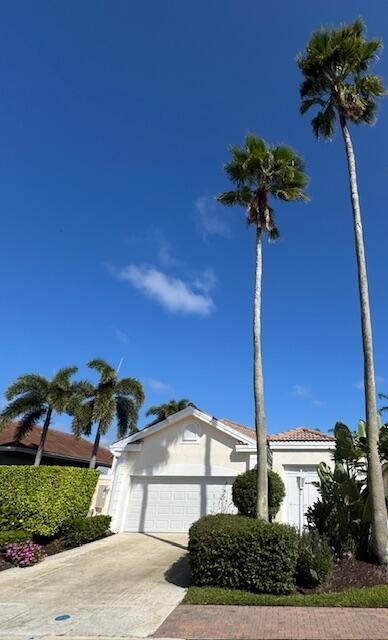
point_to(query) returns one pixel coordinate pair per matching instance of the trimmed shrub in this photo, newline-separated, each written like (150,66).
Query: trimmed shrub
(244,493)
(82,530)
(24,554)
(236,552)
(13,535)
(42,499)
(315,560)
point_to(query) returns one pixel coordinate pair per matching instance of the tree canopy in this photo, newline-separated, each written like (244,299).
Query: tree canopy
(260,171)
(335,66)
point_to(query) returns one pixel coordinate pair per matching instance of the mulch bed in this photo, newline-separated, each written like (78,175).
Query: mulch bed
(4,564)
(349,573)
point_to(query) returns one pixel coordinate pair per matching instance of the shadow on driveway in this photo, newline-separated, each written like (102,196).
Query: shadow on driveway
(179,573)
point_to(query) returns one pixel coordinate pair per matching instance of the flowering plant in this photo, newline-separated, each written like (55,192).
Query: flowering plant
(24,554)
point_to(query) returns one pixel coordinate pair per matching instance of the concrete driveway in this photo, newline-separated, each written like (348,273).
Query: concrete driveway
(120,587)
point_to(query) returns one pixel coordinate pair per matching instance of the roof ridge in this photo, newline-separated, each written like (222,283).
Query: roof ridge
(51,430)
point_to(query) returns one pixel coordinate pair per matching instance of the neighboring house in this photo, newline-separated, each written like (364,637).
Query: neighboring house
(60,449)
(172,472)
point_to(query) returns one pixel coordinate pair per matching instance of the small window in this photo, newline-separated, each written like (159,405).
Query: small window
(190,433)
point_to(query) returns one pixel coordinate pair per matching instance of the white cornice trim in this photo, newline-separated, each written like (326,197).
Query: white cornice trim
(318,445)
(297,445)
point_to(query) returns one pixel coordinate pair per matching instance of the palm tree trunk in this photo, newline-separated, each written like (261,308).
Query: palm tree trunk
(96,444)
(39,452)
(375,474)
(258,386)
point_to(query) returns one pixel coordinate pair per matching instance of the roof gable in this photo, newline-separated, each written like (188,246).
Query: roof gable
(240,434)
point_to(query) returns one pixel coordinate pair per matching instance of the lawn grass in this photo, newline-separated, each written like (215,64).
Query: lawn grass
(357,597)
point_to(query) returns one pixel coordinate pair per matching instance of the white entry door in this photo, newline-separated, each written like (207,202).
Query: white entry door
(301,493)
(173,504)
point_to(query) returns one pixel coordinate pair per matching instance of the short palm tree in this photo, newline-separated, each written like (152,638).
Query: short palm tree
(162,411)
(337,82)
(100,404)
(32,398)
(259,173)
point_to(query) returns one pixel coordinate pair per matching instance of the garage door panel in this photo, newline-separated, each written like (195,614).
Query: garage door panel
(173,504)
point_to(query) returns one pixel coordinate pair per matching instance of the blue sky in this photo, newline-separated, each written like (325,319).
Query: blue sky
(115,122)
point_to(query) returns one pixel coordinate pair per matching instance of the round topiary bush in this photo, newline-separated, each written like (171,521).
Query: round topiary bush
(244,493)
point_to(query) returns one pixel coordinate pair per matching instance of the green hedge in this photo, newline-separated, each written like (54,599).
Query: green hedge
(82,530)
(13,535)
(41,500)
(244,493)
(236,552)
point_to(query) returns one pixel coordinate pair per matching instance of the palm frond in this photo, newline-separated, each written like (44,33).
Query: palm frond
(162,411)
(132,387)
(107,373)
(239,196)
(155,410)
(104,408)
(29,383)
(335,67)
(254,145)
(62,377)
(27,422)
(21,405)
(127,416)
(259,171)
(82,422)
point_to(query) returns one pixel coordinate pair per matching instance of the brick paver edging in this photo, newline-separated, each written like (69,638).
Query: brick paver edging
(274,623)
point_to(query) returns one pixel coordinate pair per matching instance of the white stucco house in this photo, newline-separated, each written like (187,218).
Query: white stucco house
(172,472)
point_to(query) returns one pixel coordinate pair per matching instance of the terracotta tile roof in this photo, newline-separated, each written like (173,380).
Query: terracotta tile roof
(57,443)
(300,433)
(246,431)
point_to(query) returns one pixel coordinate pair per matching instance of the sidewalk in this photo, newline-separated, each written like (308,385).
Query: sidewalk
(274,623)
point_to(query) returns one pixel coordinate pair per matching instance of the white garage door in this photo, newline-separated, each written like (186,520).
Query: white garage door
(301,493)
(172,504)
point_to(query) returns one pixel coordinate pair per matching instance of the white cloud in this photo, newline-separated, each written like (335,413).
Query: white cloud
(211,220)
(173,294)
(299,391)
(206,281)
(163,249)
(121,336)
(157,385)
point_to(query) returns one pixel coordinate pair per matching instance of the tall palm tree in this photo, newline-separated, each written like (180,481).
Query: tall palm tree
(32,398)
(162,411)
(111,398)
(337,80)
(259,172)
